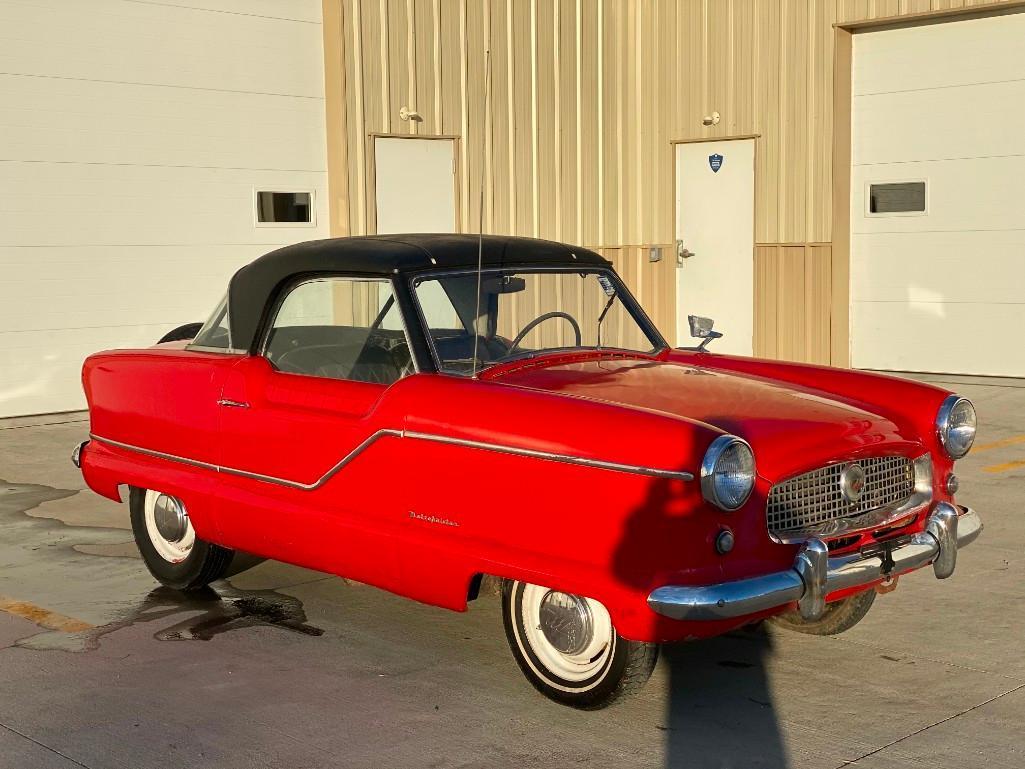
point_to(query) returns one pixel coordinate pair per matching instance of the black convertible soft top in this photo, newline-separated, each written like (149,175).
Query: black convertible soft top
(253,286)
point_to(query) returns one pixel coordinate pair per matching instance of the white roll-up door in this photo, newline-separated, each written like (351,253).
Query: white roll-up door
(938,197)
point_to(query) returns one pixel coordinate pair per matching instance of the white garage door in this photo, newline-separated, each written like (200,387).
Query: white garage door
(133,138)
(938,198)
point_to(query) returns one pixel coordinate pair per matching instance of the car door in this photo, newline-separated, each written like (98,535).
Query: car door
(307,462)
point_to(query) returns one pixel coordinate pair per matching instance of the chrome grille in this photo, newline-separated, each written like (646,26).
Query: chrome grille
(813,499)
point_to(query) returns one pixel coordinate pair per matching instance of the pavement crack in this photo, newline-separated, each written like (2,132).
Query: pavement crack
(916,656)
(899,740)
(34,741)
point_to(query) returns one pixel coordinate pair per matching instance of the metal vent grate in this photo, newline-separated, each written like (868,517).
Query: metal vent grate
(815,498)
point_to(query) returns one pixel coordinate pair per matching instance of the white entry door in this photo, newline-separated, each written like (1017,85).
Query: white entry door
(715,238)
(415,185)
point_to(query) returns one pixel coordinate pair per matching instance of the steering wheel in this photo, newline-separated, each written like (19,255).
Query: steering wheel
(541,319)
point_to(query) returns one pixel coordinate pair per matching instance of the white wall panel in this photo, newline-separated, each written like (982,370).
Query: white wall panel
(941,55)
(945,123)
(294,10)
(84,204)
(918,338)
(71,121)
(944,290)
(134,135)
(972,193)
(156,44)
(959,267)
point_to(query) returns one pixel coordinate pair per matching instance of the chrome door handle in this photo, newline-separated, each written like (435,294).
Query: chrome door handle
(232,404)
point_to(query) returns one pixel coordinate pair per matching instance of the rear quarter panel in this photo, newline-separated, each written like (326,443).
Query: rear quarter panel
(163,399)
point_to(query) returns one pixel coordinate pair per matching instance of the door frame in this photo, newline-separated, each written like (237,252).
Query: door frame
(371,155)
(754,218)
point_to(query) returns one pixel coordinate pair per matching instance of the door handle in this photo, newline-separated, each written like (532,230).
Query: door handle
(682,252)
(232,404)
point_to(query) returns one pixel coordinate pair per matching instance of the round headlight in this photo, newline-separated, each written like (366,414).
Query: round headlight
(955,425)
(728,472)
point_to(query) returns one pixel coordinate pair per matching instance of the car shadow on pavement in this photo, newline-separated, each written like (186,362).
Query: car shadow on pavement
(720,712)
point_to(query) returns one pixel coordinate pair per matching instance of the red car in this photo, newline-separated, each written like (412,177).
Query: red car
(421,412)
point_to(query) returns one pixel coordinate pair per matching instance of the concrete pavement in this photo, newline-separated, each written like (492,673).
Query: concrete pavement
(283,667)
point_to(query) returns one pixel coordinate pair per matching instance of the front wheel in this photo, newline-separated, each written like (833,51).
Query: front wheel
(568,649)
(173,553)
(838,617)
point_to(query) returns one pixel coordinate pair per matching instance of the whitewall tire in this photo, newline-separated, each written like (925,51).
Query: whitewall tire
(172,552)
(568,648)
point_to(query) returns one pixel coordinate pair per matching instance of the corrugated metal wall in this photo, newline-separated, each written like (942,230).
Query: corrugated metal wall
(586,100)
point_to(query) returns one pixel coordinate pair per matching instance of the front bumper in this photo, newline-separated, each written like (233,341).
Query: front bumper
(815,575)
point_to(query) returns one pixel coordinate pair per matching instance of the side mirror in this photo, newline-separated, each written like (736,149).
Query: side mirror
(701,328)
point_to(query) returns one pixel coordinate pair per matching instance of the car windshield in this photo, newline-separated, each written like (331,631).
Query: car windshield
(525,313)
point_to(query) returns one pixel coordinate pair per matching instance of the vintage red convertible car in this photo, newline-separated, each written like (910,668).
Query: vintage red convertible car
(421,412)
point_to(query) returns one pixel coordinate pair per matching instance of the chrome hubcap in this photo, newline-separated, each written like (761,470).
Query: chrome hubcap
(171,520)
(168,526)
(568,640)
(566,622)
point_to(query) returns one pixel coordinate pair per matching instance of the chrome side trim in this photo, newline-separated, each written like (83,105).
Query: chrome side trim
(246,473)
(815,576)
(514,450)
(676,475)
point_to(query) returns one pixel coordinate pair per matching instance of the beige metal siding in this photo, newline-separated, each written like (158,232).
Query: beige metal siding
(792,305)
(587,97)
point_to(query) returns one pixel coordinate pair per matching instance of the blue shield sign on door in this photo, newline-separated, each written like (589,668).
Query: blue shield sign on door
(715,162)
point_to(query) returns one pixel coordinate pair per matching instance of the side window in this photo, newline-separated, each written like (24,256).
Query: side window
(340,328)
(215,335)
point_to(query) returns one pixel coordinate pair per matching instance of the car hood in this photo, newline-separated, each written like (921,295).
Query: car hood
(790,428)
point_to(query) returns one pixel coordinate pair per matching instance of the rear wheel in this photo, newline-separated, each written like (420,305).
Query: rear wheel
(568,649)
(839,616)
(173,553)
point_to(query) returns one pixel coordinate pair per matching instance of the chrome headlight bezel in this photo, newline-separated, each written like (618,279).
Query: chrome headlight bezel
(710,468)
(943,417)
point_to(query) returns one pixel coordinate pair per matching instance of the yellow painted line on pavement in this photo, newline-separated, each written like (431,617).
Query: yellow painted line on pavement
(51,620)
(1012,441)
(1003,468)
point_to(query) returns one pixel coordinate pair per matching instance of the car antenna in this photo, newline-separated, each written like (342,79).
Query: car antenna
(480,224)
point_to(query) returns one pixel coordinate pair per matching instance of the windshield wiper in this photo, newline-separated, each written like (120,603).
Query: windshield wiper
(601,318)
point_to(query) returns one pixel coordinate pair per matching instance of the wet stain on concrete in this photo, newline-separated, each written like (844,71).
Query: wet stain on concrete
(210,612)
(61,565)
(22,497)
(113,550)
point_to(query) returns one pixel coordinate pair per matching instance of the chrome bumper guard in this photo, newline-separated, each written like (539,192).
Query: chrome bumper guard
(815,575)
(76,454)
